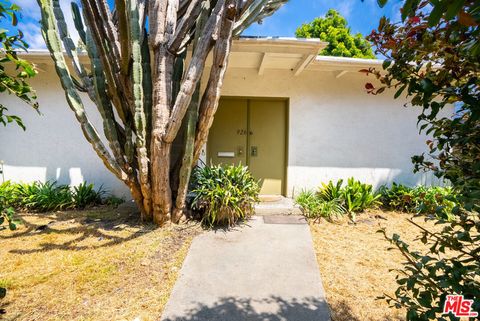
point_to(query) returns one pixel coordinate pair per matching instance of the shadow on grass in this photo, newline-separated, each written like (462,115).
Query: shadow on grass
(240,309)
(99,223)
(342,311)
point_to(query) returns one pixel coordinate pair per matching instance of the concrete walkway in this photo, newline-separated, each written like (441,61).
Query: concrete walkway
(263,270)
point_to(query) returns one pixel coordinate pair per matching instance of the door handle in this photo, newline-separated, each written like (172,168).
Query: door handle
(253,151)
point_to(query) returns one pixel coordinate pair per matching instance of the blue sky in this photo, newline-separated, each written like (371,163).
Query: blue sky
(361,16)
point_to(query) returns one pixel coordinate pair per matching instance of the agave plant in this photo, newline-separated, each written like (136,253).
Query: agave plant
(359,196)
(46,196)
(314,206)
(331,191)
(49,196)
(85,194)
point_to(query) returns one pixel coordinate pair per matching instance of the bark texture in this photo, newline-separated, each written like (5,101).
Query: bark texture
(143,92)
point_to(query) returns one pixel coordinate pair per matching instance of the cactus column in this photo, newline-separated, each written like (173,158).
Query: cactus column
(143,103)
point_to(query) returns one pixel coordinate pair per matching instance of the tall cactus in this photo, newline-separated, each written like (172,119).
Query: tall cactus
(143,91)
(191,123)
(139,114)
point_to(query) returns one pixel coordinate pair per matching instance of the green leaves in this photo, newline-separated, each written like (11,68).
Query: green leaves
(399,91)
(7,215)
(48,196)
(333,29)
(386,63)
(435,63)
(436,13)
(427,86)
(382,3)
(408,7)
(453,8)
(434,200)
(359,196)
(85,195)
(224,194)
(333,199)
(326,203)
(426,279)
(14,83)
(436,70)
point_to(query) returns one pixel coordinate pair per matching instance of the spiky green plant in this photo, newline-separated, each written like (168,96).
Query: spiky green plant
(316,206)
(85,195)
(224,194)
(49,196)
(331,190)
(43,197)
(359,196)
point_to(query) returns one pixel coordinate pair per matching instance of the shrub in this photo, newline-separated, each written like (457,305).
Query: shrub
(112,200)
(359,196)
(85,194)
(45,197)
(330,191)
(333,199)
(8,194)
(7,202)
(427,35)
(49,196)
(398,198)
(451,265)
(437,200)
(314,206)
(224,194)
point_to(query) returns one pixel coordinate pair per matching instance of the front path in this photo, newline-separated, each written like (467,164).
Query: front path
(263,270)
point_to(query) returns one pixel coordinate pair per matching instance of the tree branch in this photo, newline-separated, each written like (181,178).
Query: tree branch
(185,24)
(211,96)
(50,33)
(110,68)
(194,72)
(123,34)
(140,121)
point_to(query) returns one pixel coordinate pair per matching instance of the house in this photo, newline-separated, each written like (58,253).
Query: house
(295,118)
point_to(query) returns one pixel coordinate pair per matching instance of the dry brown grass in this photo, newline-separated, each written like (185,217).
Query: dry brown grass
(354,264)
(89,265)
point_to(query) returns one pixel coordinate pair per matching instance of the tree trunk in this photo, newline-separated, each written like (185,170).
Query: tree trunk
(160,150)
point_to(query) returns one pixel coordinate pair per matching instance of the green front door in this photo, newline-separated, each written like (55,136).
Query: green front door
(251,132)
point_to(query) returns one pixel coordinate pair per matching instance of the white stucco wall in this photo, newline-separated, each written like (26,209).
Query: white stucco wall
(336,131)
(53,146)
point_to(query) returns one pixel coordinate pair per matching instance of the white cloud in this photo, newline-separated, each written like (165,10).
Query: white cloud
(31,12)
(32,35)
(345,8)
(30,9)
